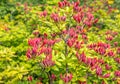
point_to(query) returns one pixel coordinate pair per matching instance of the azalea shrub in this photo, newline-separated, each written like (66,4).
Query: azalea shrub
(60,42)
(70,48)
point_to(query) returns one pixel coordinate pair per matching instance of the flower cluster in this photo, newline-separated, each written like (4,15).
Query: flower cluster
(41,46)
(94,64)
(100,48)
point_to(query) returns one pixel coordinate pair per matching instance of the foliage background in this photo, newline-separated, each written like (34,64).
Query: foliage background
(15,32)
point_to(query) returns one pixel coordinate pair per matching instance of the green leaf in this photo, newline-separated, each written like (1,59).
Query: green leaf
(61,82)
(82,79)
(58,63)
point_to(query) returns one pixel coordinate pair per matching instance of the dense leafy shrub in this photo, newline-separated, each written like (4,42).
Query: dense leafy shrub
(69,48)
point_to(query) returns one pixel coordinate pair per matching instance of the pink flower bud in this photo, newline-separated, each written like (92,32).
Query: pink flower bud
(76,3)
(78,17)
(44,13)
(108,67)
(60,4)
(115,44)
(66,78)
(70,42)
(107,75)
(114,33)
(30,78)
(34,50)
(118,50)
(28,53)
(96,20)
(109,38)
(63,18)
(83,57)
(108,32)
(78,45)
(117,60)
(117,73)
(99,71)
(84,36)
(47,62)
(101,50)
(111,53)
(53,76)
(55,17)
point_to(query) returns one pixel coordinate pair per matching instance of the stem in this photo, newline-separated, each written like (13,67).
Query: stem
(66,48)
(87,75)
(50,81)
(49,77)
(60,31)
(66,53)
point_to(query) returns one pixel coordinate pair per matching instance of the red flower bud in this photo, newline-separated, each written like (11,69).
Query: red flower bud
(60,4)
(83,57)
(66,78)
(78,17)
(90,17)
(45,35)
(53,76)
(30,78)
(109,38)
(28,53)
(44,13)
(84,36)
(63,18)
(76,3)
(78,45)
(34,42)
(55,17)
(108,67)
(111,53)
(115,44)
(101,50)
(117,60)
(99,71)
(63,4)
(70,42)
(96,20)
(107,75)
(118,50)
(117,73)
(47,62)
(34,50)
(114,33)
(101,61)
